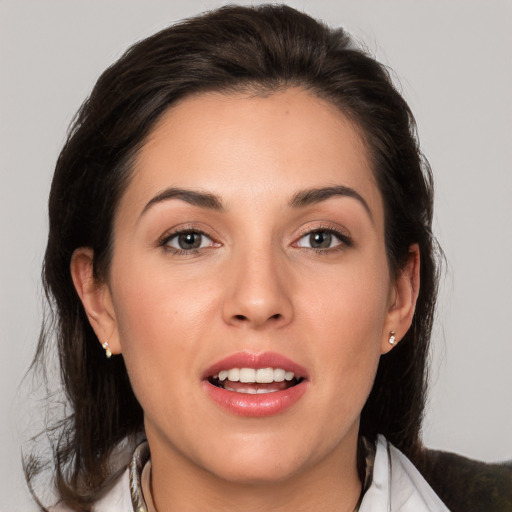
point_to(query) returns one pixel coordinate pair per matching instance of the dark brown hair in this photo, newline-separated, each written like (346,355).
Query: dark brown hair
(259,49)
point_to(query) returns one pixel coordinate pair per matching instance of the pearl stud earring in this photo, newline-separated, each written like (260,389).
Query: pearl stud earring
(108,352)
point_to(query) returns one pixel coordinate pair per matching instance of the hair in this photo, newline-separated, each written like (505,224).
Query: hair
(263,49)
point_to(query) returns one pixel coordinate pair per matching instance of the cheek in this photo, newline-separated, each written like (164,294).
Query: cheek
(161,319)
(346,314)
(156,307)
(351,302)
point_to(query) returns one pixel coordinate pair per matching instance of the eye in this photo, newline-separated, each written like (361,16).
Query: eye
(322,239)
(188,241)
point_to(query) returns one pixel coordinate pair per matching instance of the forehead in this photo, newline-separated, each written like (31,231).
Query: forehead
(237,145)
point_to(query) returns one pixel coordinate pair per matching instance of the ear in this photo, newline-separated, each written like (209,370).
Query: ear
(96,298)
(403,300)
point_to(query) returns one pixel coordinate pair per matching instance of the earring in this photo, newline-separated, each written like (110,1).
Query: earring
(108,353)
(392,337)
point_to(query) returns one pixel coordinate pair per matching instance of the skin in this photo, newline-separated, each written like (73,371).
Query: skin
(256,284)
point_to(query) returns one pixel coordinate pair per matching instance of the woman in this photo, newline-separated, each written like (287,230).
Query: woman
(240,222)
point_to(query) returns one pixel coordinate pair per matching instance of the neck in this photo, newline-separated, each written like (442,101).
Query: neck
(328,485)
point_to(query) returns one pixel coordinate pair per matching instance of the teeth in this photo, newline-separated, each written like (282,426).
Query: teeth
(250,391)
(233,375)
(247,375)
(279,375)
(260,376)
(265,375)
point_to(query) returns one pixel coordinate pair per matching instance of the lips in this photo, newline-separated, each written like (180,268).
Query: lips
(255,384)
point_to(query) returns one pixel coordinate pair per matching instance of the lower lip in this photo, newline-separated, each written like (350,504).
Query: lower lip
(266,404)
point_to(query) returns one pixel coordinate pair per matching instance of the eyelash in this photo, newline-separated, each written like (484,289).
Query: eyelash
(182,252)
(344,240)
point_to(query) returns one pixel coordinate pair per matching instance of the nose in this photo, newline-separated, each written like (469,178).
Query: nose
(258,293)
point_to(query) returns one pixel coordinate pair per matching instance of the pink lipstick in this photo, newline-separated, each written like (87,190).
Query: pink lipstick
(255,385)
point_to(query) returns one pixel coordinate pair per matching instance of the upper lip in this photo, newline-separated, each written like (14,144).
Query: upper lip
(252,360)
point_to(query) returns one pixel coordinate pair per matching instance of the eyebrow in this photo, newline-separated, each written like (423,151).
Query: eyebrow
(317,195)
(301,199)
(201,199)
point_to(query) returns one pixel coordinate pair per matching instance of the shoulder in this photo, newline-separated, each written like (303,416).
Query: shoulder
(468,485)
(397,485)
(125,494)
(117,499)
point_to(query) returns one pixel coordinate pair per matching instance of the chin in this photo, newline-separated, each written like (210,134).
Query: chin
(257,474)
(258,463)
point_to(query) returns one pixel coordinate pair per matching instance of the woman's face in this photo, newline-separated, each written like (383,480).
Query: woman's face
(251,236)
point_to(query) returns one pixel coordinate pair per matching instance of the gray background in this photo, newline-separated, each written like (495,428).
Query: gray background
(453,59)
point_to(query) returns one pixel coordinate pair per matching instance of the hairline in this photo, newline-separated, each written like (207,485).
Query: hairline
(248,89)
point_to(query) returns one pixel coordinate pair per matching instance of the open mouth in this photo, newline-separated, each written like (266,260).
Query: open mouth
(255,385)
(255,381)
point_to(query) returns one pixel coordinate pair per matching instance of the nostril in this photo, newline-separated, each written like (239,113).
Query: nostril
(243,318)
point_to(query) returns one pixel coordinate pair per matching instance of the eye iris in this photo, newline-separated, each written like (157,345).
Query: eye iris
(189,240)
(320,240)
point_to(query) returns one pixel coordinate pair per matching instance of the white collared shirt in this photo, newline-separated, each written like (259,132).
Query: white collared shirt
(397,486)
